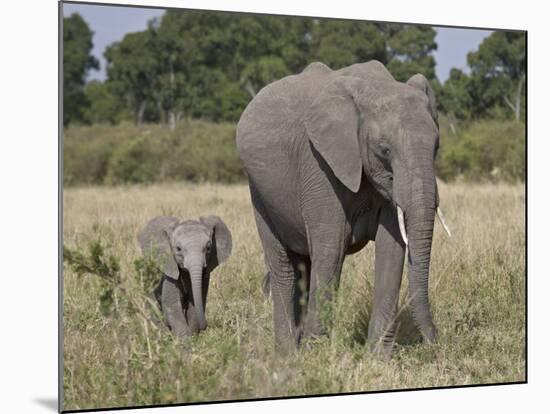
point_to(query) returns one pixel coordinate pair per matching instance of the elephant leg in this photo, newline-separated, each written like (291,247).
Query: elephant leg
(388,269)
(326,267)
(285,296)
(282,278)
(172,308)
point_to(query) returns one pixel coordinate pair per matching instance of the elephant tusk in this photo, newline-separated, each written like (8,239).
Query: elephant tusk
(442,220)
(401,220)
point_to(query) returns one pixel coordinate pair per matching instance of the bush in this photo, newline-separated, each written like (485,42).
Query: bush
(195,151)
(104,104)
(199,151)
(488,150)
(135,161)
(86,152)
(98,262)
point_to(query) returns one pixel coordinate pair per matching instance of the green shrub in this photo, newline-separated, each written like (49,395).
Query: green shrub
(135,161)
(114,294)
(96,262)
(489,150)
(86,153)
(199,151)
(195,151)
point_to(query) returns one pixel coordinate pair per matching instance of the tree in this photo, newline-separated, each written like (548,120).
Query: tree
(104,104)
(339,43)
(132,69)
(173,55)
(409,51)
(495,85)
(404,49)
(498,72)
(455,97)
(267,48)
(209,64)
(77,61)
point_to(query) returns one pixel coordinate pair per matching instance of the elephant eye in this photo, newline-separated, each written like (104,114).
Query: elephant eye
(385,151)
(208,246)
(178,248)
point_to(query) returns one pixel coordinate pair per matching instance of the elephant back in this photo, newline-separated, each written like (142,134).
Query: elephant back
(276,107)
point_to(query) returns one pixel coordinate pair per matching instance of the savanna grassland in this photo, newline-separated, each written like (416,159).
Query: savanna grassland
(125,357)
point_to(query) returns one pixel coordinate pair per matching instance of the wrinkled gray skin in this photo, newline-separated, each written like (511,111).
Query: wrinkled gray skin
(329,156)
(187,252)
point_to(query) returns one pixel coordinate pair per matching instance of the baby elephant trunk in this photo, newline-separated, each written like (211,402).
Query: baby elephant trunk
(195,267)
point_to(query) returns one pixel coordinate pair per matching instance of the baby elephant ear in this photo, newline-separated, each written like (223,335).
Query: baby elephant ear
(154,239)
(221,240)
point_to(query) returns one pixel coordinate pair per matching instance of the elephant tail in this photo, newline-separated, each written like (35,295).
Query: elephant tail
(266,288)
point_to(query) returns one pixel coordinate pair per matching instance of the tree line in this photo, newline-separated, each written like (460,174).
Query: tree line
(202,65)
(208,65)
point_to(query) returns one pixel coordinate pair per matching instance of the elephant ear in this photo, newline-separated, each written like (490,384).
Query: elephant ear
(419,81)
(221,240)
(332,124)
(154,239)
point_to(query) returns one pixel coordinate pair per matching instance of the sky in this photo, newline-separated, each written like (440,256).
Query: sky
(110,24)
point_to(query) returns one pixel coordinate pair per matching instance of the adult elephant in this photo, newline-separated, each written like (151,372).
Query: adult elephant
(335,159)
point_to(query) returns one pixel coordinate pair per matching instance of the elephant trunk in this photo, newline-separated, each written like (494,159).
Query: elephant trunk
(419,218)
(195,268)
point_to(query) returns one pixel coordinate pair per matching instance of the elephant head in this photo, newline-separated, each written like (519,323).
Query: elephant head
(364,123)
(186,249)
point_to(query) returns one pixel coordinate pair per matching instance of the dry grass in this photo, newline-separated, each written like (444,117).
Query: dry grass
(477,291)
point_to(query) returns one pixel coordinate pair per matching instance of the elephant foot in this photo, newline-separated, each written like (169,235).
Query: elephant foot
(285,348)
(313,328)
(312,335)
(429,334)
(381,349)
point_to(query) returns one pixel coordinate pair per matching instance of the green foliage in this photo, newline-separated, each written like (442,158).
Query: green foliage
(134,161)
(131,66)
(112,294)
(455,97)
(495,86)
(77,61)
(87,150)
(482,151)
(498,74)
(200,151)
(147,272)
(208,65)
(104,104)
(195,151)
(205,64)
(339,43)
(97,262)
(410,49)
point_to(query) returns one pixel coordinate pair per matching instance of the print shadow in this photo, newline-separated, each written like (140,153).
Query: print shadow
(49,403)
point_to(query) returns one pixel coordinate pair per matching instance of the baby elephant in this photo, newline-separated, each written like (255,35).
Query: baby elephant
(187,251)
